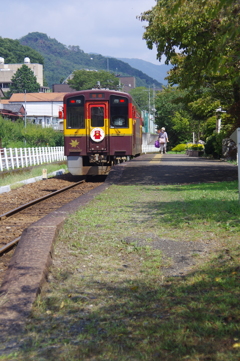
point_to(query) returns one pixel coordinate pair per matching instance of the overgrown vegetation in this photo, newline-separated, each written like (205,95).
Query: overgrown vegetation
(16,135)
(107,297)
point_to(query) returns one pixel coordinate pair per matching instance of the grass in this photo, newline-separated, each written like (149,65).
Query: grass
(12,178)
(107,297)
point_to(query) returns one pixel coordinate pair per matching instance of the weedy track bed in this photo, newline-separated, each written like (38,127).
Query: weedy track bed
(12,227)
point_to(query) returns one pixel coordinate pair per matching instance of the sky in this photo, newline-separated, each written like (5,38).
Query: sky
(106,27)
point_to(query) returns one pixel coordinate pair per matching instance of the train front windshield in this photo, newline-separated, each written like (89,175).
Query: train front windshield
(119,111)
(97,116)
(75,113)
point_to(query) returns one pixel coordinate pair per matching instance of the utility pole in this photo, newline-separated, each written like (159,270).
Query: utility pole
(25,112)
(149,109)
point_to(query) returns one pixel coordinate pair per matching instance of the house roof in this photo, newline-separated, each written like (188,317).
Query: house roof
(36,97)
(15,108)
(10,114)
(4,101)
(12,111)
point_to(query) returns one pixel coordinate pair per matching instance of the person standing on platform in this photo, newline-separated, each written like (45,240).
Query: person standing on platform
(163,140)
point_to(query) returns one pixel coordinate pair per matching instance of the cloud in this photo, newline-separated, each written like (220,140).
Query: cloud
(107,27)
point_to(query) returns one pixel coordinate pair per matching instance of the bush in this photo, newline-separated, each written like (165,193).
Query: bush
(15,135)
(199,147)
(11,132)
(213,145)
(179,148)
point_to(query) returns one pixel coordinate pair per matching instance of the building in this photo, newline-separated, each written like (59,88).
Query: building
(128,83)
(12,111)
(62,88)
(41,108)
(7,71)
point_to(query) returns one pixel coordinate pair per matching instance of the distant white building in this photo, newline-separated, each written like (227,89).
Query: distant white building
(41,108)
(7,71)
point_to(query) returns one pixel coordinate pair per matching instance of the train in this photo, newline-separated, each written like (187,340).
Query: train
(102,127)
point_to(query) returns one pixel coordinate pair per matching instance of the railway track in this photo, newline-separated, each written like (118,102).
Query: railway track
(14,221)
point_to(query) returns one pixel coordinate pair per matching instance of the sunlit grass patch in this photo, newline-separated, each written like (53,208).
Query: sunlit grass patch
(13,178)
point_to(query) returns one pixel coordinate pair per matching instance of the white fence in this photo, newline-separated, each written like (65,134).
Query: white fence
(11,158)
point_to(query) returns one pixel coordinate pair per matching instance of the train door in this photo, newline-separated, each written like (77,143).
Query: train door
(98,126)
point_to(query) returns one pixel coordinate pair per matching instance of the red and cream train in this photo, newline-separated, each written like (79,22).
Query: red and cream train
(101,127)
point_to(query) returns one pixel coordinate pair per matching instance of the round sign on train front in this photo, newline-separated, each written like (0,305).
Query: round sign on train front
(97,134)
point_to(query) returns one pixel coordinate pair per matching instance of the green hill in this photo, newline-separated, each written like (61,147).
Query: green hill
(14,53)
(61,60)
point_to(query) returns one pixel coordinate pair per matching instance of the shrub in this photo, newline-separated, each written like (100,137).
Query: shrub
(10,132)
(179,148)
(213,145)
(199,147)
(15,135)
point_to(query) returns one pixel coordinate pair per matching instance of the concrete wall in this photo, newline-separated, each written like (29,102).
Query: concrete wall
(148,138)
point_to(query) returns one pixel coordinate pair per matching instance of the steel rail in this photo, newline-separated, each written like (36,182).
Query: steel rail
(18,209)
(9,245)
(26,205)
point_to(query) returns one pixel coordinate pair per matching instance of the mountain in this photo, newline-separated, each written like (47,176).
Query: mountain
(158,72)
(13,52)
(61,60)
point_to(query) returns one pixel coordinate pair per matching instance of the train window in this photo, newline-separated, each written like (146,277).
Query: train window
(75,118)
(75,113)
(118,121)
(97,116)
(118,111)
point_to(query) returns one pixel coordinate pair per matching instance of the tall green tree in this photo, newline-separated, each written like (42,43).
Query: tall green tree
(172,113)
(85,79)
(200,39)
(24,79)
(185,112)
(196,36)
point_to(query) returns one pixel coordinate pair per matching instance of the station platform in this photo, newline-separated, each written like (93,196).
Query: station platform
(172,169)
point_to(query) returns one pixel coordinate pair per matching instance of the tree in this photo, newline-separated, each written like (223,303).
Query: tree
(200,38)
(184,112)
(143,97)
(196,35)
(24,79)
(85,79)
(172,113)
